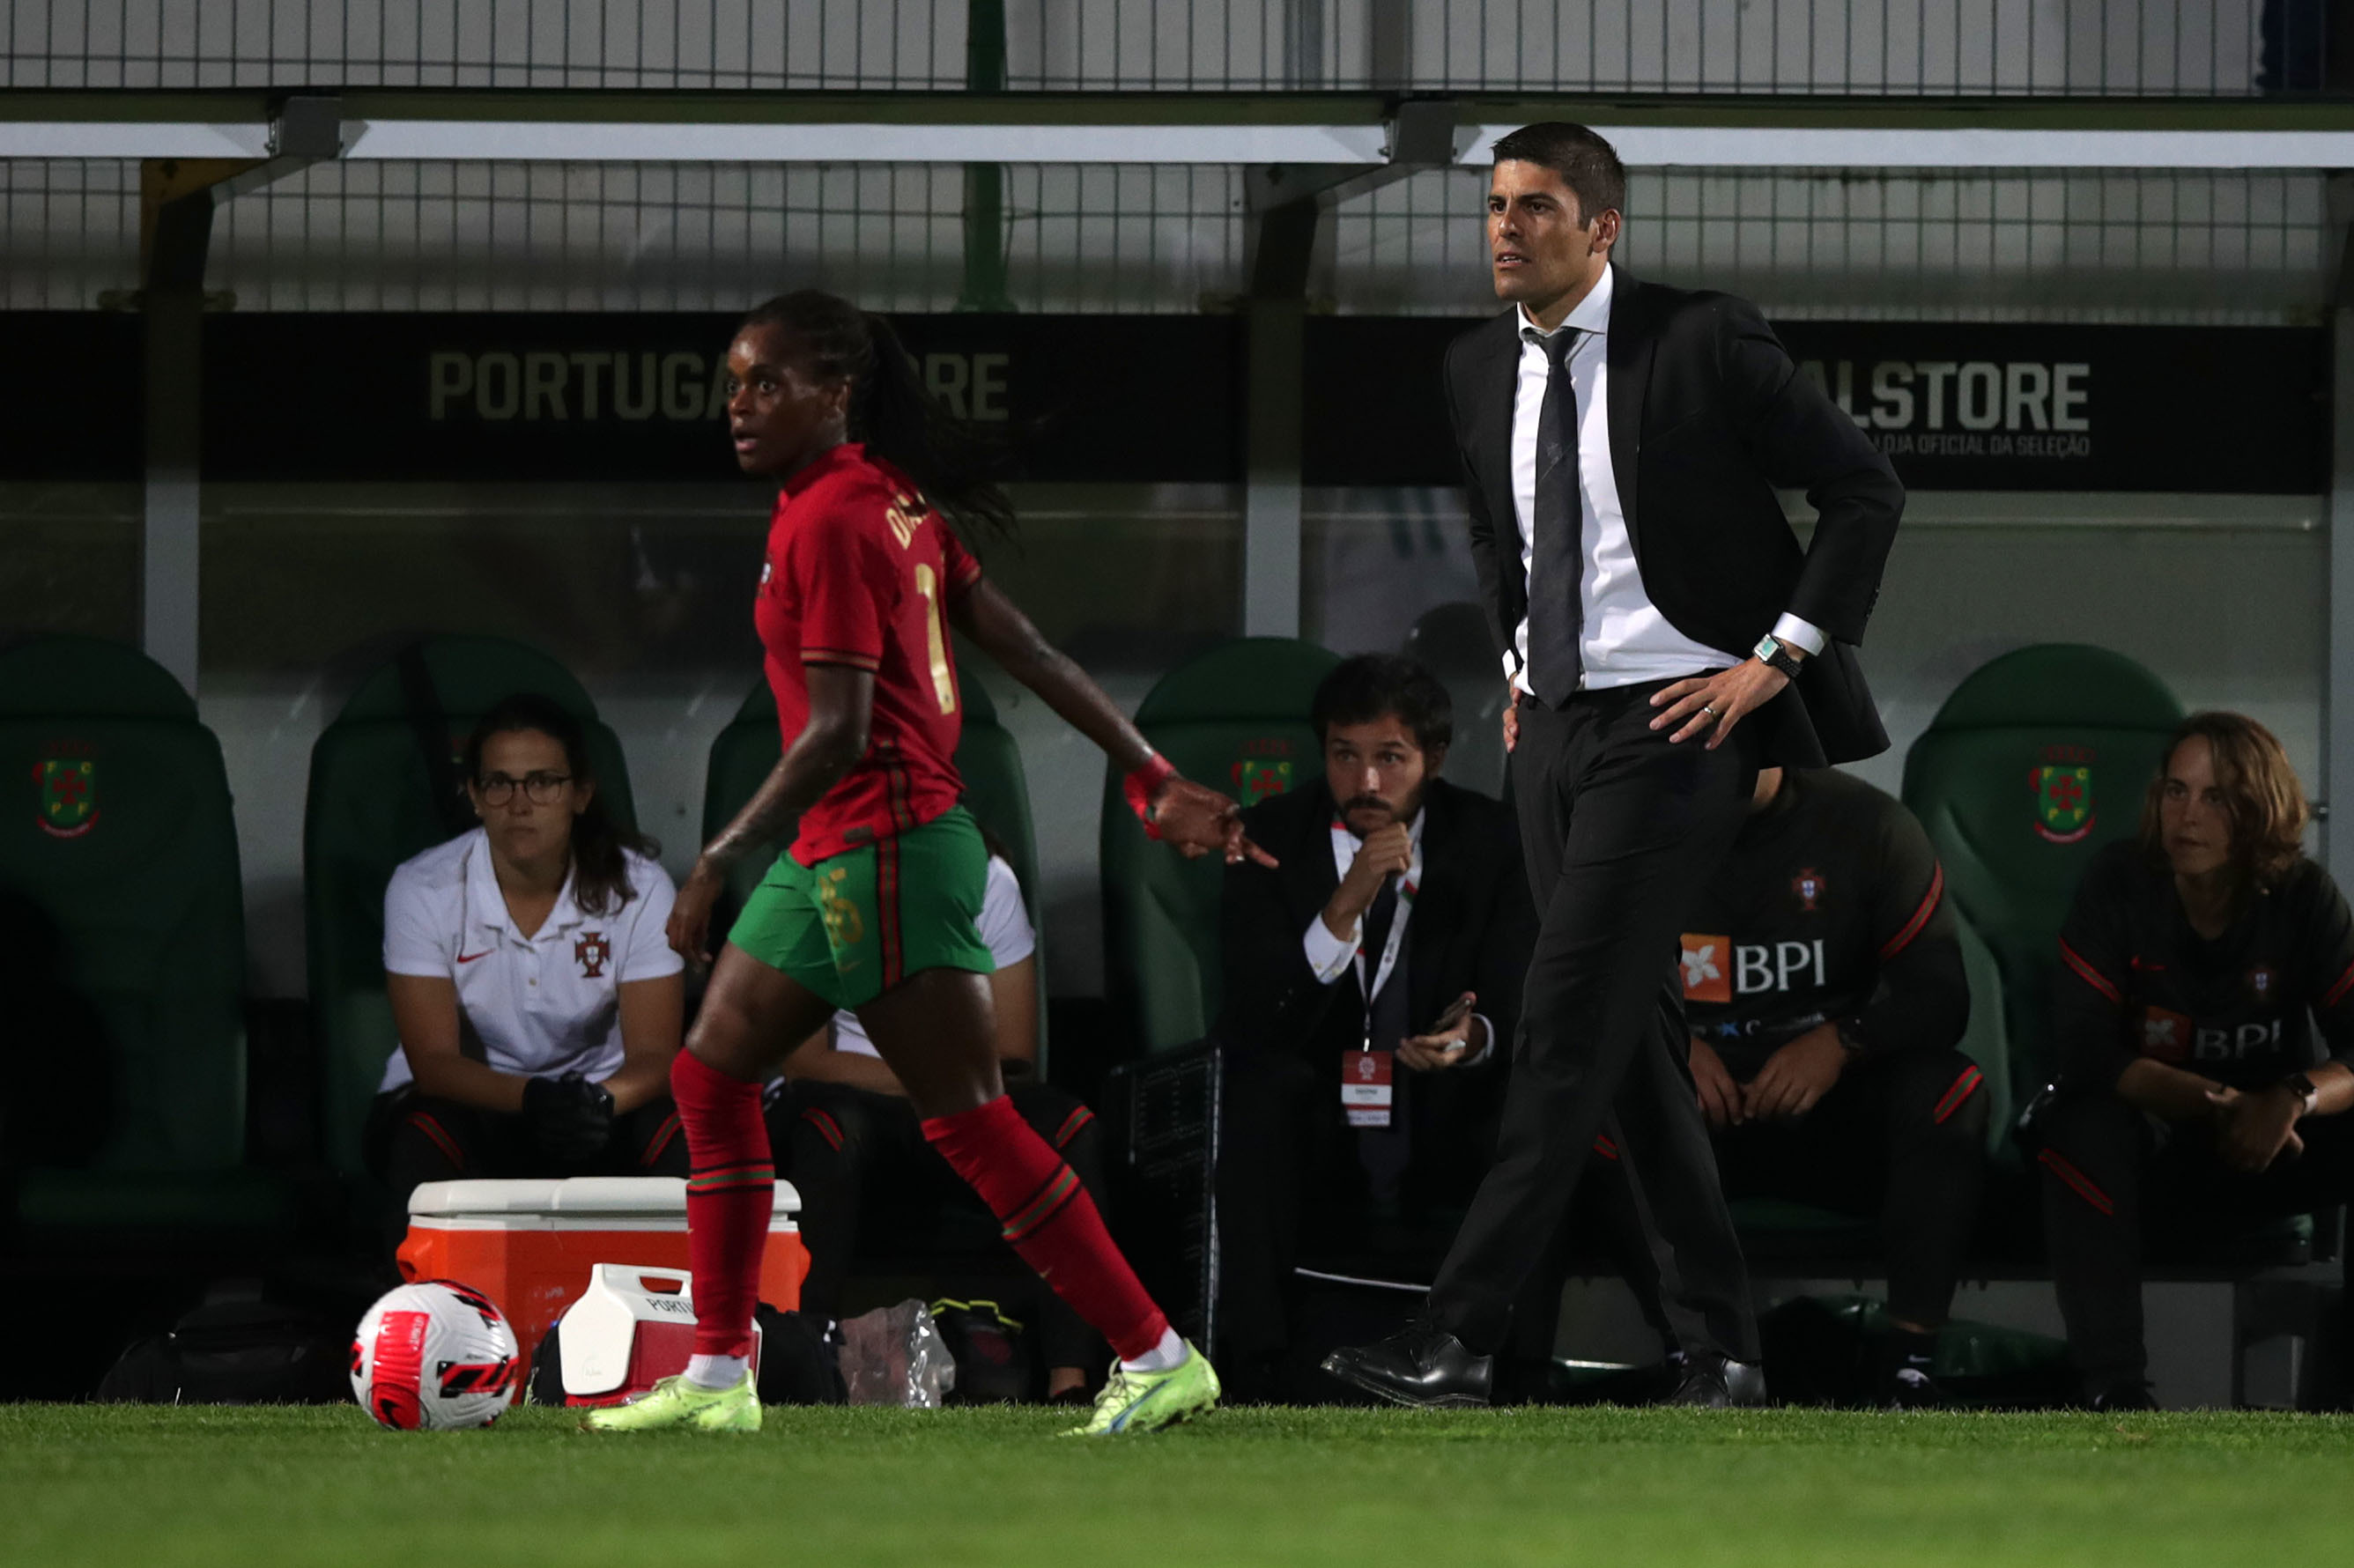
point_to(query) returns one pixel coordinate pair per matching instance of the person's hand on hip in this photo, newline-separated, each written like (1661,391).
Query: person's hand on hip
(1712,705)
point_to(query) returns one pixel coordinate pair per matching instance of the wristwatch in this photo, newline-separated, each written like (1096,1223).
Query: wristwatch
(1775,655)
(2302,1088)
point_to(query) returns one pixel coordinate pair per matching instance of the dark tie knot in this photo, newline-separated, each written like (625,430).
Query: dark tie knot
(1560,345)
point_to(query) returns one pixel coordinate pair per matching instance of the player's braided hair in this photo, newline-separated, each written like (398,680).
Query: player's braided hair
(958,464)
(600,876)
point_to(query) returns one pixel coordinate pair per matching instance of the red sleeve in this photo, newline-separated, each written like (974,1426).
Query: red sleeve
(957,563)
(849,587)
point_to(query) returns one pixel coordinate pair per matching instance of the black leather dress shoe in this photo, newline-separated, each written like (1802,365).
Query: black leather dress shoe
(1422,1364)
(2121,1396)
(1713,1382)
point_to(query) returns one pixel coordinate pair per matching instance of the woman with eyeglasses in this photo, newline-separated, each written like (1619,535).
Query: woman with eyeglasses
(537,999)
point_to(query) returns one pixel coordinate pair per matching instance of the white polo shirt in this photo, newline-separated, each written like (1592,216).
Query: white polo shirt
(538,1005)
(1004,930)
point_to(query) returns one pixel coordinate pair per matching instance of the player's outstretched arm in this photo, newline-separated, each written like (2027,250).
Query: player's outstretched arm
(841,714)
(1193,817)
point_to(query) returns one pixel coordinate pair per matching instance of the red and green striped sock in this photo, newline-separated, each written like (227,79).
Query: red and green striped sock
(1049,1219)
(728,1198)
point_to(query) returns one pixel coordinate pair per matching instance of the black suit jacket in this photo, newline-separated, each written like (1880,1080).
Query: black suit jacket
(1472,927)
(1708,417)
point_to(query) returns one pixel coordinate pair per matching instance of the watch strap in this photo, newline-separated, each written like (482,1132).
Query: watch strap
(1772,653)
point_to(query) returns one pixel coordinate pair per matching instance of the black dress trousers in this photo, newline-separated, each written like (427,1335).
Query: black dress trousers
(1621,829)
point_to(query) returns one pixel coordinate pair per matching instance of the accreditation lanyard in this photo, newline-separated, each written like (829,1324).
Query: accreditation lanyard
(1345,843)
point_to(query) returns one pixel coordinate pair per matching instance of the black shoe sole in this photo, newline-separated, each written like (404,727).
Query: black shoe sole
(1334,1367)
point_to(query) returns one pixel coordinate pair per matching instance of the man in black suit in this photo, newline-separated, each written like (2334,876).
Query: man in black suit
(1665,636)
(1391,882)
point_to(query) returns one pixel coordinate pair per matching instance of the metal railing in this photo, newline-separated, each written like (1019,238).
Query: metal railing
(2188,49)
(1989,244)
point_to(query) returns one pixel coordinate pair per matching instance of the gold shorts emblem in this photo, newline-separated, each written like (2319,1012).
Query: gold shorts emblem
(845,926)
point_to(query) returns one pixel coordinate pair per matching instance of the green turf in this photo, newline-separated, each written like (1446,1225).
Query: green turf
(159,1488)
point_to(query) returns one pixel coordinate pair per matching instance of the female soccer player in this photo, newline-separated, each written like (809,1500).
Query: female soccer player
(2205,1031)
(872,907)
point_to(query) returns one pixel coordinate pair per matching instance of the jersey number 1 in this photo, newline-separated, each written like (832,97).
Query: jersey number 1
(927,583)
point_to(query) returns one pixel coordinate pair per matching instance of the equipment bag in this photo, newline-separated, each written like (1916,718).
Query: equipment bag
(233,1352)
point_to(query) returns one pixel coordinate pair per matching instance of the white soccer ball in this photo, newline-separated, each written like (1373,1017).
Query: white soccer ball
(433,1356)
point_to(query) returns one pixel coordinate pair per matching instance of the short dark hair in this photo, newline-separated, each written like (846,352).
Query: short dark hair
(1363,688)
(1586,163)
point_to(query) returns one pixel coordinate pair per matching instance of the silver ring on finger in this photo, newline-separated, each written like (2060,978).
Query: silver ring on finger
(1709,711)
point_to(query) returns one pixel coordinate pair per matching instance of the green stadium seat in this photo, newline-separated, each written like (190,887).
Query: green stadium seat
(372,804)
(1236,718)
(1986,1042)
(997,791)
(1452,642)
(122,842)
(2035,762)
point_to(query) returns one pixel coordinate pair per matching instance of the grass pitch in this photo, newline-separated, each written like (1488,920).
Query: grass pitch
(161,1488)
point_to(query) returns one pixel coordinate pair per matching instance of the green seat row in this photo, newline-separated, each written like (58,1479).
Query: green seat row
(118,838)
(124,841)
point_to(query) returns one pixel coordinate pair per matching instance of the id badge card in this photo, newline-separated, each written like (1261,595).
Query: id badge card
(1367,1089)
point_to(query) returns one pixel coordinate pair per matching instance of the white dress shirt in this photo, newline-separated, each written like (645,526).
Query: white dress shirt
(1331,957)
(1622,639)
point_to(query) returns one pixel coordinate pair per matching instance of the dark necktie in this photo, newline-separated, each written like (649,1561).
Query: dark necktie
(1378,916)
(1383,1151)
(1555,612)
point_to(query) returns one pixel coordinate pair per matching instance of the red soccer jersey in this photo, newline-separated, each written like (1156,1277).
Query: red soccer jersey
(860,571)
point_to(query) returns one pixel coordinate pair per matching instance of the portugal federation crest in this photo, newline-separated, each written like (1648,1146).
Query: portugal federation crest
(2064,802)
(1808,885)
(68,794)
(590,952)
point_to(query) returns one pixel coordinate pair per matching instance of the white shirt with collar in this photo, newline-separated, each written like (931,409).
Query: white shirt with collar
(1331,957)
(1624,639)
(539,1005)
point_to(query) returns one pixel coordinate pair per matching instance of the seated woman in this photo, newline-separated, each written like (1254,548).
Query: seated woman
(855,1138)
(2197,963)
(537,999)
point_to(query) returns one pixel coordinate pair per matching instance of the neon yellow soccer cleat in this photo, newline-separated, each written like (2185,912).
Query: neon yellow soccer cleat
(675,1405)
(1146,1402)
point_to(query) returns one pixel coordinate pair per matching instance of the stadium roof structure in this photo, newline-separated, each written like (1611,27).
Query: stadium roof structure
(1331,129)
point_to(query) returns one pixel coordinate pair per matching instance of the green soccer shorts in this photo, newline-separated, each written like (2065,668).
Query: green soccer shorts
(856,924)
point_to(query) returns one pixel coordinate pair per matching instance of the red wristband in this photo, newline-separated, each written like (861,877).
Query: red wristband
(1140,785)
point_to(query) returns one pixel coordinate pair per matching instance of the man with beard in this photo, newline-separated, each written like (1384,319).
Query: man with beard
(1390,885)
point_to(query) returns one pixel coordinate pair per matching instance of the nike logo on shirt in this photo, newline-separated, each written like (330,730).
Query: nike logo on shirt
(470,958)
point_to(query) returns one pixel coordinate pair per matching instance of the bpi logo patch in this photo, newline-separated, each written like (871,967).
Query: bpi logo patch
(68,781)
(2063,784)
(1808,885)
(1706,977)
(2166,1036)
(591,953)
